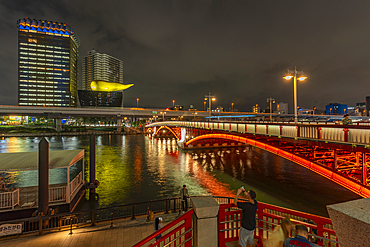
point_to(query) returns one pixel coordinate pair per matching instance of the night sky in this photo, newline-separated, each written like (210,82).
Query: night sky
(237,50)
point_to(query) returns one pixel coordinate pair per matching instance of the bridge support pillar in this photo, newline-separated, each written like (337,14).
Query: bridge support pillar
(351,221)
(43,176)
(92,165)
(58,123)
(205,221)
(119,125)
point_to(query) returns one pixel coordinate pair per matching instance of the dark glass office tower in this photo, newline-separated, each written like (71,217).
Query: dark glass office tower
(47,64)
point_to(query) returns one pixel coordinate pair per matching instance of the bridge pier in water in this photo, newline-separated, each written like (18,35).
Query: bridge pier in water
(119,125)
(58,124)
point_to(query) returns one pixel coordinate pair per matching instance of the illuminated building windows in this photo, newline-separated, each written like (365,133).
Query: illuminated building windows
(54,52)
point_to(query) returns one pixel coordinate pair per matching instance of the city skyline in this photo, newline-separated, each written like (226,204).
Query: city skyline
(238,50)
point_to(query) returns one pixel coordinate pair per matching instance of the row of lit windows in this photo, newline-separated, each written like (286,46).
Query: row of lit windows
(33,99)
(42,90)
(42,50)
(48,64)
(49,82)
(48,104)
(42,68)
(46,77)
(42,95)
(36,72)
(43,59)
(42,55)
(47,46)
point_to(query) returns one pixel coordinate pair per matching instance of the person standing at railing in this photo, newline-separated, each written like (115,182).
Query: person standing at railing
(280,233)
(346,120)
(300,238)
(248,222)
(184,194)
(158,225)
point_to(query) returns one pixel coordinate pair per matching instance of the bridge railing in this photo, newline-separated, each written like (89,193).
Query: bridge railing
(177,233)
(268,216)
(354,134)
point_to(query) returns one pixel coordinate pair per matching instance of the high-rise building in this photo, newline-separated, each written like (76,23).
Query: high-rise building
(101,67)
(47,63)
(336,109)
(282,108)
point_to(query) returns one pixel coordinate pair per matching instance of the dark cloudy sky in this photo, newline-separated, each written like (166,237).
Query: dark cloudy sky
(237,50)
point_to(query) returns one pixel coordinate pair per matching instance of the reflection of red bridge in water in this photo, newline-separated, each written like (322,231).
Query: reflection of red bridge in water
(339,153)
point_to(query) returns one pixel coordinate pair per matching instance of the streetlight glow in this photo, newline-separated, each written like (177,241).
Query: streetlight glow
(210,98)
(294,73)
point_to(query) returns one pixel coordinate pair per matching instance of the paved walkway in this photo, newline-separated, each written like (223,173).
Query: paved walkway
(124,233)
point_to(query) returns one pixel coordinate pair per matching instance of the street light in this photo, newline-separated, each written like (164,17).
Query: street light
(173,103)
(210,98)
(137,104)
(232,107)
(205,106)
(163,112)
(194,113)
(273,102)
(294,73)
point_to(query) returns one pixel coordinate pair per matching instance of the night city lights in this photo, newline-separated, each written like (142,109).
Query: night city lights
(184,123)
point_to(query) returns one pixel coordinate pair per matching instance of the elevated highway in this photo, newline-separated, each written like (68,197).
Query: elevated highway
(340,153)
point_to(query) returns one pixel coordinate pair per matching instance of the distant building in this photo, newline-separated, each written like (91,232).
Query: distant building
(256,109)
(101,67)
(360,109)
(47,63)
(282,108)
(367,105)
(99,99)
(336,109)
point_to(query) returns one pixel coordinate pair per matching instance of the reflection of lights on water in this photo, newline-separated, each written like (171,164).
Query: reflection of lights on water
(99,140)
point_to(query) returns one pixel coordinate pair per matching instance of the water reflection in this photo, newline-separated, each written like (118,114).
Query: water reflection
(136,168)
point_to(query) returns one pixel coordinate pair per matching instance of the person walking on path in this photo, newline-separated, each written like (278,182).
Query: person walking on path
(280,233)
(184,194)
(346,120)
(158,225)
(300,238)
(248,222)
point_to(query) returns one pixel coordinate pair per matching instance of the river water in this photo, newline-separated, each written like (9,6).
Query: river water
(136,168)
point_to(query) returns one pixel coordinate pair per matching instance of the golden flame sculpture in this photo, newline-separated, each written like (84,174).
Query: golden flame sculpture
(108,86)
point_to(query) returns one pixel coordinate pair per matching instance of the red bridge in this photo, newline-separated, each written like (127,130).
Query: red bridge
(339,153)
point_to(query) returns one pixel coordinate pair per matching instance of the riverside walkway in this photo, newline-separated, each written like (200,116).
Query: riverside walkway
(124,233)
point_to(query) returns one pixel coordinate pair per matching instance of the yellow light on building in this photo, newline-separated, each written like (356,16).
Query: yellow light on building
(108,86)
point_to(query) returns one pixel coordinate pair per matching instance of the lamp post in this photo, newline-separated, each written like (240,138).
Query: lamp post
(194,113)
(272,101)
(294,73)
(173,103)
(204,105)
(137,104)
(232,107)
(210,98)
(163,112)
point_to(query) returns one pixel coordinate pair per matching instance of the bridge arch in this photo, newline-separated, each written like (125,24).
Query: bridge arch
(168,128)
(327,173)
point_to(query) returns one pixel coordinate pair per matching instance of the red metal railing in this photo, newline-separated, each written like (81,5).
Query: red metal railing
(178,232)
(268,216)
